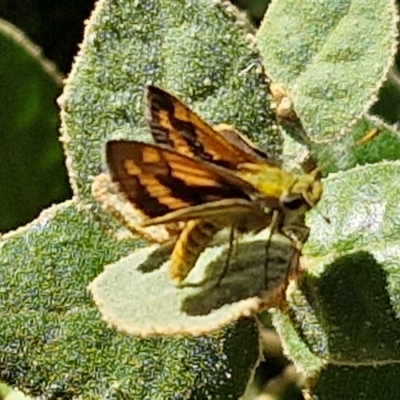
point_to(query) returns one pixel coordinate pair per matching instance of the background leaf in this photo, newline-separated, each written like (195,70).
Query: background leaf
(30,156)
(48,318)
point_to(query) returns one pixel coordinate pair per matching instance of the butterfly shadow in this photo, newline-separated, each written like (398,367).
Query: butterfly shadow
(250,270)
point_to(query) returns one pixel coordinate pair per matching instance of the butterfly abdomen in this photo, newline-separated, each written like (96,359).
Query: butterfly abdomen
(191,242)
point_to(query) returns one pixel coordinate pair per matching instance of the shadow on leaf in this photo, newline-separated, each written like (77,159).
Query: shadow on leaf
(352,309)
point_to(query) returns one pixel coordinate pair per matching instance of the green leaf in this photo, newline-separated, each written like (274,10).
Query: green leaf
(51,323)
(213,295)
(333,56)
(30,156)
(342,327)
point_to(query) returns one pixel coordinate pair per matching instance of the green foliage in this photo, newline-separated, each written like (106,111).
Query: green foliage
(332,55)
(342,328)
(30,156)
(69,352)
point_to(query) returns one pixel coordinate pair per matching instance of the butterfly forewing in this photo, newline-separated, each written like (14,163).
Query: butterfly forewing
(159,181)
(173,124)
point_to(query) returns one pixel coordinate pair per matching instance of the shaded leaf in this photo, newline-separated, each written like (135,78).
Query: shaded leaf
(30,156)
(214,295)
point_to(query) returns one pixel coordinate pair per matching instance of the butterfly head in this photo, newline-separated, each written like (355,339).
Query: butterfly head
(306,190)
(304,194)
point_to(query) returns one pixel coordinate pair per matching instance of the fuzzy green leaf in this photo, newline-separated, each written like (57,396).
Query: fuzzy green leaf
(344,324)
(333,56)
(213,294)
(50,321)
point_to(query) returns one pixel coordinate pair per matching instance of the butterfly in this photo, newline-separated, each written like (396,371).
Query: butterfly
(208,178)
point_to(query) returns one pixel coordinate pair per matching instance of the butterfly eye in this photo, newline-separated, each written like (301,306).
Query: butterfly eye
(293,202)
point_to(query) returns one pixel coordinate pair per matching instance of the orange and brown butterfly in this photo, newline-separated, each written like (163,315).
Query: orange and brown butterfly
(209,178)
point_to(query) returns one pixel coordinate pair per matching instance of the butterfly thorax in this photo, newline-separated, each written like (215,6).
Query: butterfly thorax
(269,180)
(273,182)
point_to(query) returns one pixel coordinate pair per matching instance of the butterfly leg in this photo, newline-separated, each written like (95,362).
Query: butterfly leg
(283,249)
(273,226)
(228,256)
(297,233)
